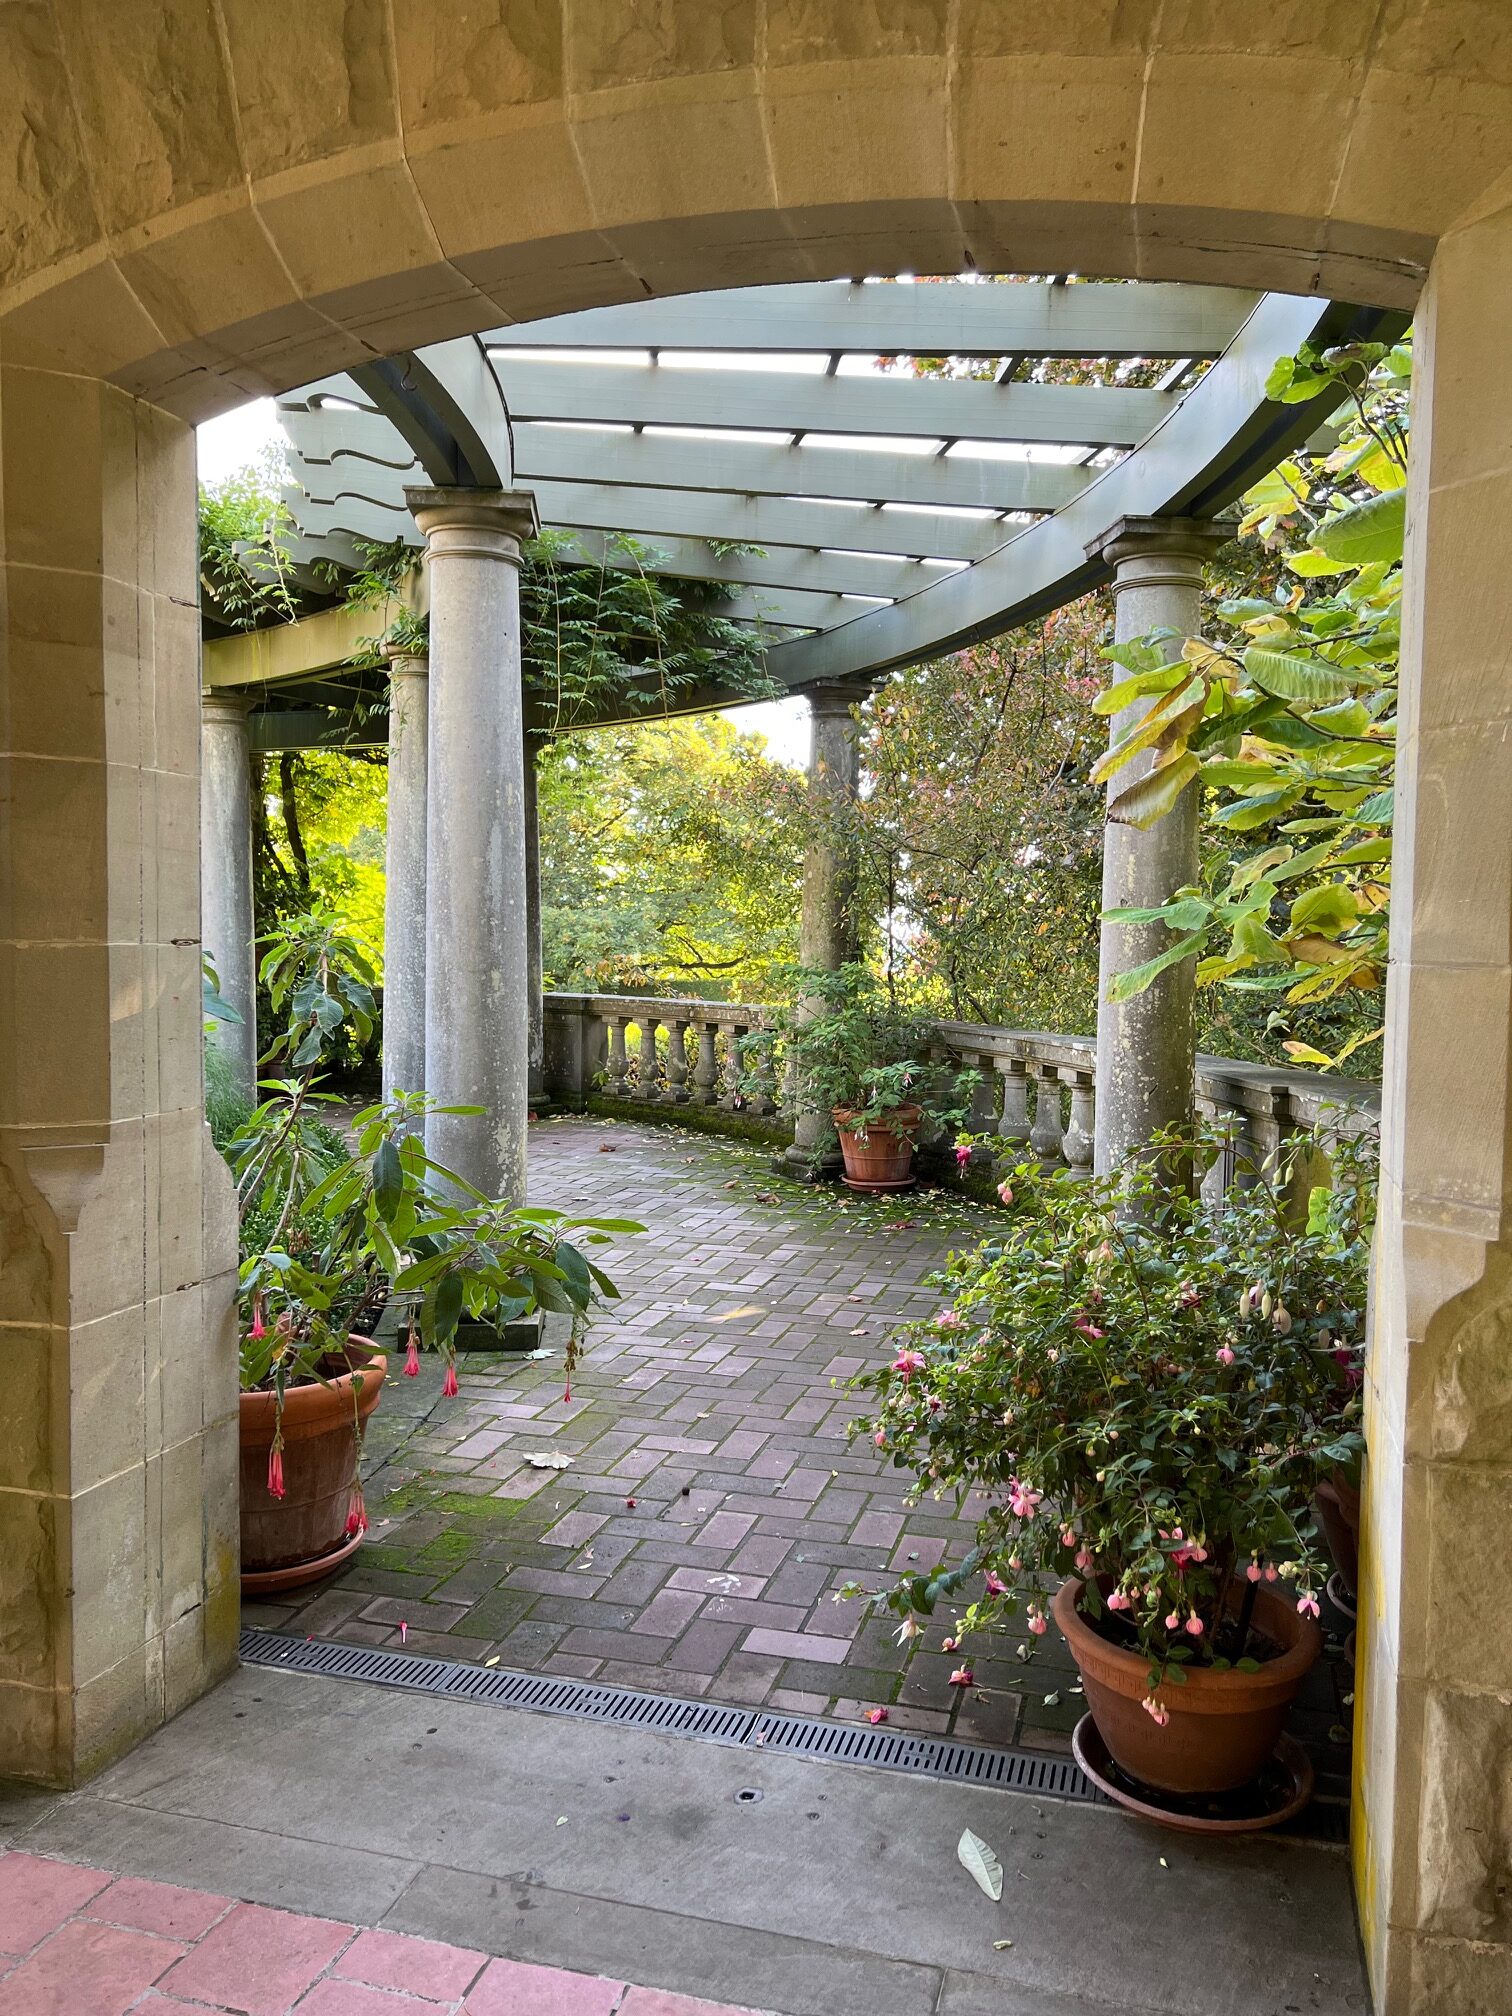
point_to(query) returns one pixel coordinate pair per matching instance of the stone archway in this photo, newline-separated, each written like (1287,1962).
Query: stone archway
(258,196)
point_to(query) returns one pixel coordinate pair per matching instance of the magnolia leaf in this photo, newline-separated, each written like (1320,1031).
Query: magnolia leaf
(1290,677)
(1126,985)
(1149,800)
(1370,531)
(1376,810)
(979,1862)
(1311,562)
(1329,909)
(1116,698)
(1149,728)
(1304,1053)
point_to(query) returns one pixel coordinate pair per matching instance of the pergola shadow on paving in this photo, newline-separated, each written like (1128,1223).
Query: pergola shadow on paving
(714,1505)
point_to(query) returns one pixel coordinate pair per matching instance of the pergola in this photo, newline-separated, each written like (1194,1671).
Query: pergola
(860,516)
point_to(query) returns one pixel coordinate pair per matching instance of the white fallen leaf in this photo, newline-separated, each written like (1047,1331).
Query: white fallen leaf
(979,1862)
(1001,1945)
(1052,1700)
(562,1822)
(549,1462)
(493,1661)
(1163,1863)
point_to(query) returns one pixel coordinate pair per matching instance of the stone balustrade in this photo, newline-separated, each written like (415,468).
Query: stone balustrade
(1035,1091)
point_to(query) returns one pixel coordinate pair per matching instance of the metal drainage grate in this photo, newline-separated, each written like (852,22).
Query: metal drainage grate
(1024,1771)
(927,1757)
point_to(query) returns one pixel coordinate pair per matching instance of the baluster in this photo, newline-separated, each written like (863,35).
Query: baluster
(764,1098)
(981,1117)
(733,1099)
(617,1070)
(647,1086)
(1080,1134)
(1013,1127)
(675,1091)
(706,1070)
(1046,1136)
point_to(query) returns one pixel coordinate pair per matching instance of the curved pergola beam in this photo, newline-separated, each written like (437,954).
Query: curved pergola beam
(937,318)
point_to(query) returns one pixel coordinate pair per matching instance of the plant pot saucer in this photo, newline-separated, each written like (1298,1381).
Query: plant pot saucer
(878,1189)
(1282,1789)
(295,1574)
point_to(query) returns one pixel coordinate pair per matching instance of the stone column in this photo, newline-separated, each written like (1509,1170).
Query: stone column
(476,968)
(404,894)
(536,1068)
(227,925)
(118,1408)
(1432,1813)
(828,929)
(1147,1047)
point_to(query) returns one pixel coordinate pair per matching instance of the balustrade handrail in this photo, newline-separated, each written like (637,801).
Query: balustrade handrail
(1264,1103)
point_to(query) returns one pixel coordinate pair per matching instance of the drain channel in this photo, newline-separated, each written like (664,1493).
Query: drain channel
(1025,1771)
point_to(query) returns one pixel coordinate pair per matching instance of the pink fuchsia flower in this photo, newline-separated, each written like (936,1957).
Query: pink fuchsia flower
(1005,1192)
(1225,1354)
(449,1383)
(1307,1604)
(1022,1500)
(1252,1573)
(1087,1327)
(908,1629)
(996,1586)
(950,1644)
(1270,1573)
(275,1471)
(1194,1626)
(1039,1623)
(260,1329)
(963,1677)
(1158,1713)
(357,1516)
(880,1438)
(1188,1297)
(950,1319)
(934,1403)
(876,1715)
(412,1358)
(1084,1559)
(962,1154)
(908,1362)
(1173,1622)
(1120,1600)
(1068,1537)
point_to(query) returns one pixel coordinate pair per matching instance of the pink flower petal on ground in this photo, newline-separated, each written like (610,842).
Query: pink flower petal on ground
(963,1677)
(876,1715)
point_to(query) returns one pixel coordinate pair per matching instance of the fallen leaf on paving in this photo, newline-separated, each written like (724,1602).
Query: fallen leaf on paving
(860,1333)
(562,1820)
(979,1862)
(1001,1945)
(607,1148)
(733,1184)
(1052,1700)
(548,1462)
(746,1309)
(493,1661)
(1163,1863)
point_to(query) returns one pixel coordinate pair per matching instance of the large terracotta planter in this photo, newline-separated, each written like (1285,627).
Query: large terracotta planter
(881,1156)
(1223,1727)
(301,1536)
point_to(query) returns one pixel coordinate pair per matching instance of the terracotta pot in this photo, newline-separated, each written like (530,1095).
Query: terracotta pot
(1337,1505)
(1223,1727)
(882,1156)
(305,1528)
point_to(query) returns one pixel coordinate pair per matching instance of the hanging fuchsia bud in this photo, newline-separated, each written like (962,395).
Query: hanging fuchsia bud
(275,1471)
(259,1328)
(449,1384)
(357,1517)
(412,1358)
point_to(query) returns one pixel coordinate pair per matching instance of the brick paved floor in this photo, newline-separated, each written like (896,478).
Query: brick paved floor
(78,1941)
(713,1396)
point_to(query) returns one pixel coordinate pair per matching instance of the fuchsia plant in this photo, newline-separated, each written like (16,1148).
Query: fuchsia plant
(1147,1387)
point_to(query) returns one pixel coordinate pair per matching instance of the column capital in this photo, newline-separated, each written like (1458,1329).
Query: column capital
(217,703)
(406,661)
(482,524)
(1183,544)
(836,697)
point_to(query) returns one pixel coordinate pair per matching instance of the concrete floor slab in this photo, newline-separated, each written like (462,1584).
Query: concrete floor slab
(614,1851)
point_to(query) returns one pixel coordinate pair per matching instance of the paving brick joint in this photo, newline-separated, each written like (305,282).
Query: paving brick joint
(713,1507)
